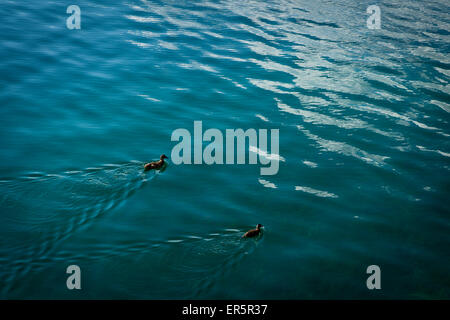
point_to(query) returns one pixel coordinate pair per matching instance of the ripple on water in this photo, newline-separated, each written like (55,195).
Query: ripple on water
(362,113)
(57,205)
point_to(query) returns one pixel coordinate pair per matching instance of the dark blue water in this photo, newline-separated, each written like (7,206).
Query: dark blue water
(364,138)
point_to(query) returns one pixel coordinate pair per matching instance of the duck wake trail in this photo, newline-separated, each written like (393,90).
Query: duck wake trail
(186,267)
(45,209)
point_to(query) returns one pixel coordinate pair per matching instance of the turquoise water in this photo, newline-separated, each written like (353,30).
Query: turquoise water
(364,134)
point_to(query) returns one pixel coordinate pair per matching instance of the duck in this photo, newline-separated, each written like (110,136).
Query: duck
(155,164)
(253,233)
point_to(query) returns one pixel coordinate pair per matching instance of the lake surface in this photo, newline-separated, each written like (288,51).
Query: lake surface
(363,116)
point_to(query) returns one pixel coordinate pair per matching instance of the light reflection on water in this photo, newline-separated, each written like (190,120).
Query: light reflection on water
(364,126)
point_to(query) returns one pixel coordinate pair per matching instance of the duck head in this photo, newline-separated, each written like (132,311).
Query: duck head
(259,226)
(163,156)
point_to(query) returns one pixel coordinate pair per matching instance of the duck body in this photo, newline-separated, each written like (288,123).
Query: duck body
(155,164)
(253,233)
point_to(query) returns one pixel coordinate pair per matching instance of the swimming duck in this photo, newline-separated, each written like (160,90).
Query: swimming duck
(253,233)
(155,164)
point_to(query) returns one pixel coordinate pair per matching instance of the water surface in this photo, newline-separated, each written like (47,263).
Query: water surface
(364,134)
